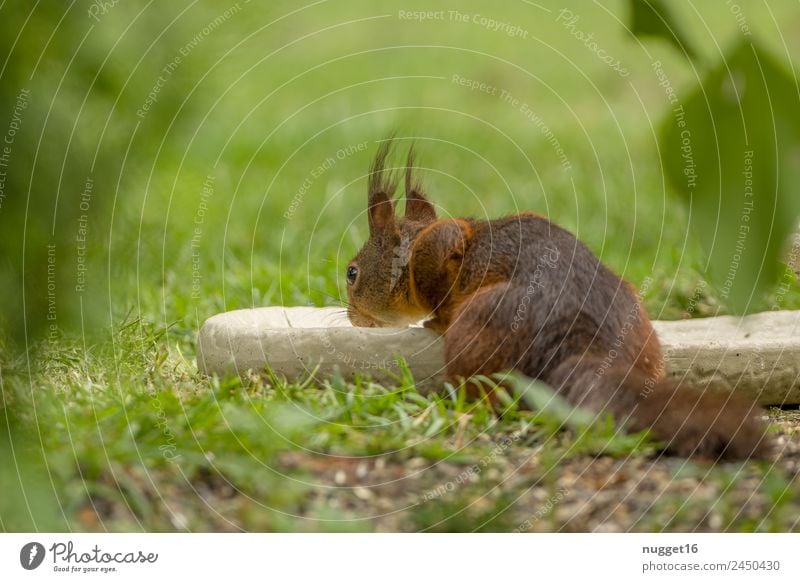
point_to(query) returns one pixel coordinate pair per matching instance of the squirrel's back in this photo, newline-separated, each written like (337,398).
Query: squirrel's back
(554,285)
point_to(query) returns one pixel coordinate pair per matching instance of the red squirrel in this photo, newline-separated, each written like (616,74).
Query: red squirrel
(521,293)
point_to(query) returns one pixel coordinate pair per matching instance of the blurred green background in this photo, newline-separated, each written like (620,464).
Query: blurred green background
(150,101)
(173,160)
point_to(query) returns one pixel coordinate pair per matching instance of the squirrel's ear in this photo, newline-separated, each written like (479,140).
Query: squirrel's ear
(382,184)
(418,207)
(380,213)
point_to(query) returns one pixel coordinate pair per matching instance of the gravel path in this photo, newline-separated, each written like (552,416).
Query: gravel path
(516,492)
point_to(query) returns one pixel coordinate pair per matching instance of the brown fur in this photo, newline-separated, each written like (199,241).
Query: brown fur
(522,293)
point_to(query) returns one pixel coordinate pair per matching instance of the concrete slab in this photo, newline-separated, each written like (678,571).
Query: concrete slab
(758,355)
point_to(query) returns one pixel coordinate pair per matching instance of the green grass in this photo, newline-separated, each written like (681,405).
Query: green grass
(126,435)
(150,444)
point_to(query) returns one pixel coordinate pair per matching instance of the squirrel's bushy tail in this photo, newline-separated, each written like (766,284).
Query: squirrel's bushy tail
(690,421)
(589,366)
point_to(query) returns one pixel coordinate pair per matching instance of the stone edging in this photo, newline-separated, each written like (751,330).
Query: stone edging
(758,355)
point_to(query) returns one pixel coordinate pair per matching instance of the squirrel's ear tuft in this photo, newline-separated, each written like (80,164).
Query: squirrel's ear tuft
(382,184)
(418,207)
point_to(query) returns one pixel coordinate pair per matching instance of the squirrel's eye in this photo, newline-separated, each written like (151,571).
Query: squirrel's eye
(352,273)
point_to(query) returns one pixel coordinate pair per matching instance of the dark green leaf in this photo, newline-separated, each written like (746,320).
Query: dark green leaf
(653,18)
(732,151)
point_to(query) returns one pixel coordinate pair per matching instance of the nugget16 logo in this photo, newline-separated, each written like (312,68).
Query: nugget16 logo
(31,555)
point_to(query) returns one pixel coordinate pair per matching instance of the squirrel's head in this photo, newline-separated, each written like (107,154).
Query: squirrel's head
(377,278)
